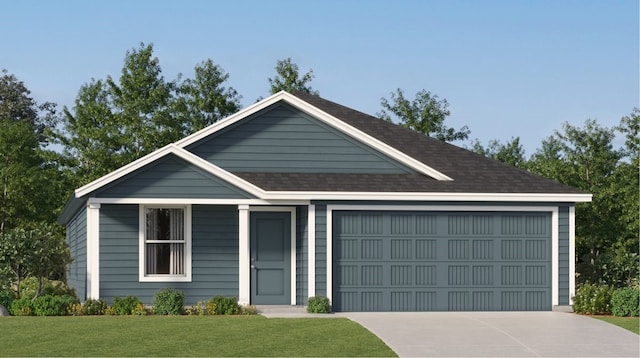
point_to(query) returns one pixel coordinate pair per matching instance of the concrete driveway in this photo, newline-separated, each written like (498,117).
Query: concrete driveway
(498,334)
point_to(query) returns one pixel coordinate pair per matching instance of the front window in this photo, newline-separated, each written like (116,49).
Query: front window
(165,244)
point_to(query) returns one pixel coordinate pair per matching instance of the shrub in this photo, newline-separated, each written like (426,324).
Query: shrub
(223,305)
(168,301)
(49,305)
(109,311)
(318,304)
(29,288)
(126,306)
(626,302)
(593,299)
(75,309)
(6,297)
(21,307)
(199,309)
(139,310)
(94,307)
(248,310)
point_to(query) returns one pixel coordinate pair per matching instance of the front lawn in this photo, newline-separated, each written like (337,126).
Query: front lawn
(630,323)
(186,336)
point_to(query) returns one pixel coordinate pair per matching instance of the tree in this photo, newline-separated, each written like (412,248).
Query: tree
(425,114)
(288,78)
(204,100)
(29,179)
(511,152)
(116,121)
(40,252)
(585,158)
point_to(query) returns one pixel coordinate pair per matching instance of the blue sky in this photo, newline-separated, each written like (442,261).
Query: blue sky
(508,68)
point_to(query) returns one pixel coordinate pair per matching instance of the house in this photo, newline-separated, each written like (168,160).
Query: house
(296,196)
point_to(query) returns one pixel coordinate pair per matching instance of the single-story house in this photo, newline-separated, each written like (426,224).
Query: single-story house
(297,196)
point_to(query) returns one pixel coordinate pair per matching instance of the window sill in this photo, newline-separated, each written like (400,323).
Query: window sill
(165,278)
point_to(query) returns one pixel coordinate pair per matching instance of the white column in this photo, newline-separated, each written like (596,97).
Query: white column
(554,256)
(244,255)
(572,253)
(93,251)
(311,249)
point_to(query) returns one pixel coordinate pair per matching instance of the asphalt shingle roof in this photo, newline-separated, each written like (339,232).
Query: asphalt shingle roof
(471,172)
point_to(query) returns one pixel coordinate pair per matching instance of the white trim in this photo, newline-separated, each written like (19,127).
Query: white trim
(195,201)
(304,198)
(311,250)
(554,256)
(93,251)
(292,211)
(323,117)
(572,253)
(142,277)
(162,152)
(550,209)
(244,274)
(422,196)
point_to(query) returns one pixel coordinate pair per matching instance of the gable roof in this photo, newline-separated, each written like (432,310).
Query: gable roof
(444,171)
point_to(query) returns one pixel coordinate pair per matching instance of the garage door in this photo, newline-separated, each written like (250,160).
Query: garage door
(444,261)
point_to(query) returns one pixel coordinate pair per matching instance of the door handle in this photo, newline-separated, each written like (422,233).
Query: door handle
(253,266)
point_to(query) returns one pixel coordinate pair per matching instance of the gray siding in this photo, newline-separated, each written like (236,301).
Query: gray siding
(321,250)
(563,255)
(77,241)
(171,177)
(283,139)
(214,260)
(302,251)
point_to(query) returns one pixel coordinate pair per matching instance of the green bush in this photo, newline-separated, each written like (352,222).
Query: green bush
(593,299)
(168,301)
(49,305)
(6,297)
(223,305)
(626,302)
(127,305)
(29,288)
(94,307)
(21,307)
(318,304)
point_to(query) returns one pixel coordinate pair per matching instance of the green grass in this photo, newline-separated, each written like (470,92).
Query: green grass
(211,336)
(630,323)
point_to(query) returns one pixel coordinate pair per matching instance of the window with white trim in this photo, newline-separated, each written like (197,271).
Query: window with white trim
(165,243)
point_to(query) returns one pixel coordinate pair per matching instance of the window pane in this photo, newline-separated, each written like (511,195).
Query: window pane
(164,225)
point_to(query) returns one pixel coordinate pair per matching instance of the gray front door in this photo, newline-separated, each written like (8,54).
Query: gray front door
(270,258)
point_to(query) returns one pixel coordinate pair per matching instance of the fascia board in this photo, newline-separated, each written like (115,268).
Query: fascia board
(243,113)
(365,138)
(219,172)
(179,152)
(487,197)
(122,171)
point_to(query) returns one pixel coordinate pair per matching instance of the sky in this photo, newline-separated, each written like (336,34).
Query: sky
(510,68)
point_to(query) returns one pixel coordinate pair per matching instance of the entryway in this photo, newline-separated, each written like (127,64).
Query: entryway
(270,258)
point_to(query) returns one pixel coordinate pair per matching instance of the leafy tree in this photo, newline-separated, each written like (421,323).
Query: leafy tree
(204,100)
(425,114)
(30,183)
(288,78)
(511,152)
(41,252)
(585,158)
(115,122)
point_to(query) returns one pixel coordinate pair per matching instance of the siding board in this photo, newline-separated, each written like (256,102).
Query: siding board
(284,139)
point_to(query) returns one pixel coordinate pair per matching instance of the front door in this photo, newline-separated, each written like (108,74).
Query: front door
(270,258)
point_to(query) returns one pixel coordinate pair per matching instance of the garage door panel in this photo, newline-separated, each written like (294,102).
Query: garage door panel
(410,261)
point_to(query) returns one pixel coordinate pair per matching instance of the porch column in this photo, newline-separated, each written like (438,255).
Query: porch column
(311,229)
(572,253)
(244,284)
(93,251)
